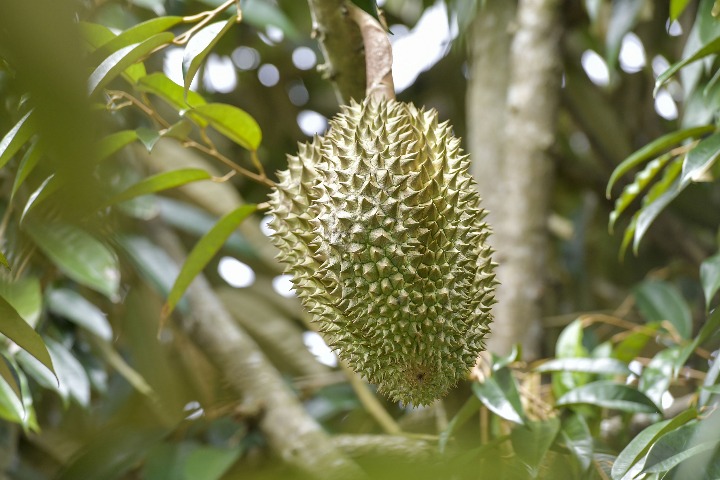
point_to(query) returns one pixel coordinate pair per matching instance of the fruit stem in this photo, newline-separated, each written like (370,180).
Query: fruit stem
(378,55)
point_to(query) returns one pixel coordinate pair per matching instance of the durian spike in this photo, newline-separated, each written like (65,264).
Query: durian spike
(378,55)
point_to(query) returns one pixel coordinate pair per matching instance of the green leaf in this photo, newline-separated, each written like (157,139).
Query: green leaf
(710,379)
(18,330)
(114,143)
(681,444)
(11,407)
(79,255)
(576,435)
(602,366)
(200,45)
(18,135)
(25,297)
(148,137)
(4,261)
(179,130)
(532,442)
(710,278)
(172,93)
(203,252)
(623,18)
(234,123)
(7,374)
(210,463)
(76,308)
(653,149)
(118,61)
(608,394)
(659,301)
(260,14)
(133,35)
(42,375)
(676,8)
(95,34)
(631,346)
(709,48)
(160,182)
(469,408)
(656,377)
(648,214)
(27,165)
(700,158)
(70,372)
(49,186)
(569,345)
(641,443)
(498,399)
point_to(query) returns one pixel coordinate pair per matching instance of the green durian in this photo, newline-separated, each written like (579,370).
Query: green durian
(380,225)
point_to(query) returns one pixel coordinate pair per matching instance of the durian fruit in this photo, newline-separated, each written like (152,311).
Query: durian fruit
(380,226)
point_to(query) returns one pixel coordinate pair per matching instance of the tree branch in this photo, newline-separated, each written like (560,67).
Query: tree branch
(342,47)
(289,430)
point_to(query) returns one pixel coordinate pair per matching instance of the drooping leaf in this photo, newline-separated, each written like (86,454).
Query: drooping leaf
(49,186)
(660,301)
(6,372)
(700,158)
(653,149)
(42,375)
(648,214)
(148,137)
(602,366)
(657,376)
(200,45)
(203,252)
(708,49)
(76,308)
(172,93)
(710,278)
(70,372)
(641,443)
(468,409)
(234,123)
(18,330)
(18,135)
(608,394)
(576,436)
(133,35)
(114,143)
(532,441)
(25,297)
(11,406)
(118,61)
(26,166)
(160,182)
(210,463)
(682,444)
(498,399)
(78,254)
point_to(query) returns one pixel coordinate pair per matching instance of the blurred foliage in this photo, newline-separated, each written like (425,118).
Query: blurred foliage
(100,146)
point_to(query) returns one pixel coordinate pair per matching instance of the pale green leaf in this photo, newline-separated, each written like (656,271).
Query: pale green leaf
(79,255)
(70,372)
(26,166)
(210,463)
(203,252)
(11,407)
(499,399)
(159,84)
(681,444)
(25,297)
(576,436)
(234,123)
(532,441)
(118,61)
(160,182)
(18,135)
(677,7)
(135,34)
(148,137)
(76,308)
(700,159)
(602,366)
(200,45)
(16,329)
(608,394)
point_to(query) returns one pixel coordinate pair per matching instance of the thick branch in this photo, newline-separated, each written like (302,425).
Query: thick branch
(341,44)
(404,449)
(289,430)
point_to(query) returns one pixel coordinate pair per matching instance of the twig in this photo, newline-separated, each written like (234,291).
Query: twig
(204,18)
(370,402)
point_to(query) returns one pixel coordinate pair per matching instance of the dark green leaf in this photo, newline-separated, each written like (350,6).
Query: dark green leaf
(608,394)
(498,400)
(203,252)
(532,442)
(16,138)
(603,366)
(7,374)
(471,406)
(576,435)
(700,158)
(27,165)
(659,301)
(160,182)
(118,61)
(200,45)
(234,123)
(114,142)
(70,372)
(708,49)
(76,308)
(680,445)
(710,278)
(79,255)
(653,149)
(641,443)
(649,213)
(17,330)
(210,463)
(677,7)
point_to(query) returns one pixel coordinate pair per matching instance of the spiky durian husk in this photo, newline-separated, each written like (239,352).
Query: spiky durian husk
(380,226)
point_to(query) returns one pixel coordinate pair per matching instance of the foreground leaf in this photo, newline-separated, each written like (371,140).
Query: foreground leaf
(608,394)
(16,138)
(576,435)
(18,330)
(682,444)
(204,251)
(532,442)
(79,255)
(707,49)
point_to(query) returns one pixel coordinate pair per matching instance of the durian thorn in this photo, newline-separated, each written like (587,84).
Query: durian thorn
(378,55)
